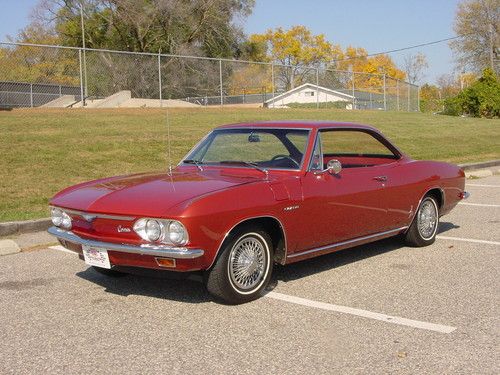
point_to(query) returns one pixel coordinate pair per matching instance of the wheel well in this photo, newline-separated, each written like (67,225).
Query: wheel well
(437,194)
(275,230)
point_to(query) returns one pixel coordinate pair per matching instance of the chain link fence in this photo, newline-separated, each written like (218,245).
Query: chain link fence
(42,75)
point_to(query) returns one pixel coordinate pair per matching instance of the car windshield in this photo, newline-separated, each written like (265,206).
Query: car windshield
(257,148)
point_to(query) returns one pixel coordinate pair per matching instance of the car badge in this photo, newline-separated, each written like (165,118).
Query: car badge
(123,229)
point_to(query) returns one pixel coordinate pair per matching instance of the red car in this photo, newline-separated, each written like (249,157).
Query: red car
(251,195)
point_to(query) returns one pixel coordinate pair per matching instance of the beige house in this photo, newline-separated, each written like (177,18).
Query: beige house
(310,93)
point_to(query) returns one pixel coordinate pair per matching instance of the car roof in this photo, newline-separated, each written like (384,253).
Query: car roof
(299,124)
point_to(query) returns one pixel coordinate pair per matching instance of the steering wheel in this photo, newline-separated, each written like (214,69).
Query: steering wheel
(280,156)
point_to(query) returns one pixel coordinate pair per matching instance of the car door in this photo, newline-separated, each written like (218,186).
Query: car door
(347,205)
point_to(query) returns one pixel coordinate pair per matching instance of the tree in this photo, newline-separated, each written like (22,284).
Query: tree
(430,98)
(200,27)
(298,49)
(197,27)
(35,64)
(481,99)
(250,79)
(414,66)
(477,22)
(448,84)
(357,60)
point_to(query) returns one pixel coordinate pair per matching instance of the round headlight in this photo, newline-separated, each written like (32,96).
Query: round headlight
(177,234)
(160,230)
(153,230)
(149,229)
(60,218)
(66,221)
(56,215)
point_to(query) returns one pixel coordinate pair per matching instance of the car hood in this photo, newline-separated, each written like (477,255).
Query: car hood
(145,194)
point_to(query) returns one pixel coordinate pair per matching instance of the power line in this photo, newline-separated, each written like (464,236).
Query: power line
(401,49)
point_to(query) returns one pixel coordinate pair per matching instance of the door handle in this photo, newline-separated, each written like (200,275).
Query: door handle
(380,178)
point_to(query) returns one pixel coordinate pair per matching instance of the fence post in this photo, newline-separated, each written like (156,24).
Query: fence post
(31,95)
(220,83)
(397,93)
(385,96)
(159,78)
(82,99)
(418,98)
(353,89)
(409,97)
(272,79)
(60,91)
(317,88)
(84,54)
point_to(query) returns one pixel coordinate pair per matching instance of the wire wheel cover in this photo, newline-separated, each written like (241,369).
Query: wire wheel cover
(427,219)
(247,263)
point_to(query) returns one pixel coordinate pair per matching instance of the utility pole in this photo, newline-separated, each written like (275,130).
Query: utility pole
(84,54)
(492,46)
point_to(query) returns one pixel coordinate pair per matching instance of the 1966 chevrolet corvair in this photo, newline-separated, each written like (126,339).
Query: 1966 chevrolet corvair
(254,194)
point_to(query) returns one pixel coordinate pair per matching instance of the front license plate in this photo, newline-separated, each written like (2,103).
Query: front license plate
(96,256)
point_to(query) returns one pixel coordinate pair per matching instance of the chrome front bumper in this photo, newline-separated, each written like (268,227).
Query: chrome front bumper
(155,250)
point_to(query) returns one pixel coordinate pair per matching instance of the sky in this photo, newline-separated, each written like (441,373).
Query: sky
(376,25)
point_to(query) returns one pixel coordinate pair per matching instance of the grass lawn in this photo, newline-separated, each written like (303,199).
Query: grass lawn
(43,151)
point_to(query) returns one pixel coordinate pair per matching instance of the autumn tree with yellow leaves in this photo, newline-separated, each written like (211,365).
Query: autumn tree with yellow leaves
(298,54)
(298,49)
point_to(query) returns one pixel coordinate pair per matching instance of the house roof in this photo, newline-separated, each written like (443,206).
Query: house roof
(311,86)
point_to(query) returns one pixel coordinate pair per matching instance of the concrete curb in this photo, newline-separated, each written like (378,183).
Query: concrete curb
(481,165)
(15,227)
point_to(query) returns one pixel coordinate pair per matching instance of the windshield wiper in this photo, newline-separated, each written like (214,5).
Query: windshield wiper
(195,162)
(250,164)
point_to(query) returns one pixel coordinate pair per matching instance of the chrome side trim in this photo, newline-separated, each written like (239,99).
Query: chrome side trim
(146,249)
(348,242)
(246,219)
(97,216)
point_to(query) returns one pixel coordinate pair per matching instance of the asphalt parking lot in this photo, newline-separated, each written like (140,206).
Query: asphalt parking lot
(379,308)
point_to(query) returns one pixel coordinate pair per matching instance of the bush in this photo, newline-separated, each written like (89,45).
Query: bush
(452,106)
(481,99)
(431,105)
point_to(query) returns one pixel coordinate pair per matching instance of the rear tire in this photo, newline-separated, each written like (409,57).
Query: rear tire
(108,272)
(423,229)
(244,266)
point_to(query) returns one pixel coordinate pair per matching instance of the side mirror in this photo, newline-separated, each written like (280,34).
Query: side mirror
(253,138)
(334,166)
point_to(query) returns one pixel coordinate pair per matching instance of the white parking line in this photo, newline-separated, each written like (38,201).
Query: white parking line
(479,204)
(363,313)
(482,185)
(468,240)
(61,248)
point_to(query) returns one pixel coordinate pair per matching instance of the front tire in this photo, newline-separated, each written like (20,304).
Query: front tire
(423,229)
(244,267)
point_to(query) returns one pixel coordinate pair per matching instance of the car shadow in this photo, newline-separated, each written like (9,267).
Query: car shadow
(334,260)
(445,227)
(151,284)
(343,257)
(189,289)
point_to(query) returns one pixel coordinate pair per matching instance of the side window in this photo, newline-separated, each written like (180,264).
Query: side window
(317,156)
(353,143)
